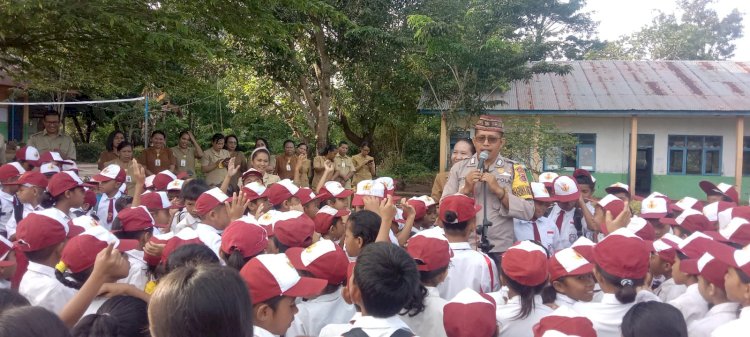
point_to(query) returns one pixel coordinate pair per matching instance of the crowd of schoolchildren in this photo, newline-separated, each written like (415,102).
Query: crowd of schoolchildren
(132,252)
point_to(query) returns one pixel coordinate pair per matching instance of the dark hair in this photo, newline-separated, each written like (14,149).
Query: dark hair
(122,202)
(585,180)
(467,141)
(217,137)
(268,146)
(158,132)
(328,149)
(416,304)
(259,150)
(73,280)
(41,254)
(365,225)
(458,227)
(182,133)
(50,112)
(193,189)
(31,321)
(744,277)
(387,278)
(279,245)
(123,145)
(201,300)
(363,144)
(235,259)
(301,143)
(549,294)
(626,291)
(653,319)
(343,142)
(525,294)
(288,141)
(191,255)
(119,316)
(111,139)
(10,298)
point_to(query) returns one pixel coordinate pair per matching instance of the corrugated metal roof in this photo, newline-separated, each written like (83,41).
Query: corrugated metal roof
(592,86)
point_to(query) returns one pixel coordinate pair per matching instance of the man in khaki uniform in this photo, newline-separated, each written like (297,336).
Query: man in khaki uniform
(508,191)
(344,166)
(51,139)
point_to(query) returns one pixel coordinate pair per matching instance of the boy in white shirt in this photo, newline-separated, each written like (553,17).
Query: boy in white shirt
(540,228)
(216,211)
(663,255)
(711,287)
(737,285)
(110,179)
(563,212)
(685,272)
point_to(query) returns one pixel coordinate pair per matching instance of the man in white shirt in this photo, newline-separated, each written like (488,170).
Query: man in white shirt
(110,179)
(539,228)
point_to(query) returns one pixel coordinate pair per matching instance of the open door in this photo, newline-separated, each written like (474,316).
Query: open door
(644,165)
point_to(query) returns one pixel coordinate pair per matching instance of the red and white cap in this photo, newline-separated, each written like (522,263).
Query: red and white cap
(693,220)
(687,203)
(642,228)
(64,181)
(50,156)
(5,248)
(585,247)
(568,262)
(547,178)
(724,189)
(540,193)
(693,247)
(111,172)
(162,180)
(324,218)
(294,229)
(420,204)
(557,325)
(155,201)
(579,172)
(659,195)
(186,236)
(244,236)
(618,187)
(666,247)
(727,215)
(464,207)
(278,192)
(253,191)
(612,204)
(81,224)
(69,165)
(566,189)
(737,231)
(323,259)
(735,258)
(430,250)
(367,188)
(148,183)
(623,254)
(654,208)
(175,185)
(268,220)
(209,200)
(10,171)
(33,178)
(272,275)
(470,314)
(135,219)
(711,211)
(712,269)
(48,168)
(252,172)
(29,154)
(389,184)
(306,195)
(526,263)
(333,189)
(80,252)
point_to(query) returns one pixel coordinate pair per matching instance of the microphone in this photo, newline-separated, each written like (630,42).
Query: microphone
(482,157)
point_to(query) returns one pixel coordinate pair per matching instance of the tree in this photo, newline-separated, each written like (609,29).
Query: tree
(698,34)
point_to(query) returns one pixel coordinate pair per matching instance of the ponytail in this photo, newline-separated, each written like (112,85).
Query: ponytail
(626,288)
(235,259)
(450,222)
(67,279)
(48,201)
(415,305)
(549,294)
(525,293)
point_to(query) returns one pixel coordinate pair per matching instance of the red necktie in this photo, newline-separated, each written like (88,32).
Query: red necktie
(560,220)
(537,237)
(111,210)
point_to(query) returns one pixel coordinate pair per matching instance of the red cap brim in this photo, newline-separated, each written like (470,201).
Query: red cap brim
(567,198)
(306,287)
(709,187)
(653,215)
(668,221)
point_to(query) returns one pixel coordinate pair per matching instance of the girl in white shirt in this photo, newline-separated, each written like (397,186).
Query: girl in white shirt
(737,285)
(571,278)
(711,287)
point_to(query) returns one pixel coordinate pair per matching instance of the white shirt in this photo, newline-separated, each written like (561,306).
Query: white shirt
(318,312)
(469,269)
(260,332)
(210,237)
(606,315)
(548,233)
(334,330)
(510,326)
(137,276)
(379,327)
(568,233)
(668,290)
(430,321)
(562,300)
(183,219)
(719,314)
(692,305)
(741,324)
(40,286)
(4,284)
(94,306)
(11,225)
(6,206)
(102,209)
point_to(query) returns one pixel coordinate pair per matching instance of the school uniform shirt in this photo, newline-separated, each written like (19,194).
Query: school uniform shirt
(568,233)
(95,305)
(562,300)
(129,186)
(138,273)
(668,290)
(40,286)
(182,220)
(646,296)
(430,321)
(469,269)
(6,207)
(12,225)
(335,330)
(606,315)
(730,329)
(379,327)
(719,315)
(210,237)
(260,332)
(4,284)
(549,236)
(102,209)
(692,305)
(512,327)
(318,312)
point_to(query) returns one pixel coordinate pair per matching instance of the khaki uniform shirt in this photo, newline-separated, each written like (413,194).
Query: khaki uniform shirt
(61,143)
(156,160)
(241,160)
(285,166)
(215,177)
(318,169)
(184,160)
(343,165)
(105,158)
(304,174)
(439,185)
(364,172)
(501,233)
(269,179)
(129,182)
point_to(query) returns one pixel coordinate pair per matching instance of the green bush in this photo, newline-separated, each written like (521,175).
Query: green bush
(89,153)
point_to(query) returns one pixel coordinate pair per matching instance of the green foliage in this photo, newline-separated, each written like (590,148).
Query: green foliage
(89,153)
(530,139)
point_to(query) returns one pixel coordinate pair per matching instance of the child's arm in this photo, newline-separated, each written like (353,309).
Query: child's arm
(196,146)
(232,169)
(591,222)
(387,212)
(139,174)
(405,232)
(328,169)
(620,221)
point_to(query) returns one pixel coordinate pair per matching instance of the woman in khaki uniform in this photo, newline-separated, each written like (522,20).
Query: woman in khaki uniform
(125,162)
(185,155)
(319,163)
(463,149)
(230,144)
(214,162)
(364,165)
(304,167)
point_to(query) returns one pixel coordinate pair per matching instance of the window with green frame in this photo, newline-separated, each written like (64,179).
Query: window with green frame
(694,155)
(582,155)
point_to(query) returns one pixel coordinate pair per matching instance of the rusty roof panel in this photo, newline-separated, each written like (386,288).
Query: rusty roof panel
(635,85)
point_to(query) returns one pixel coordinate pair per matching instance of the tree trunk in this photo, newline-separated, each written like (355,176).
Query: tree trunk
(78,129)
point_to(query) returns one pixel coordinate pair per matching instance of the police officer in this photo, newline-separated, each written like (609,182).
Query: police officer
(508,191)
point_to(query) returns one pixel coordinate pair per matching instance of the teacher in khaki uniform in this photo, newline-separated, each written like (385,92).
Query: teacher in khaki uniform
(508,191)
(51,139)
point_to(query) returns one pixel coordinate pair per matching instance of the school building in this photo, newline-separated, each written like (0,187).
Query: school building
(688,119)
(13,119)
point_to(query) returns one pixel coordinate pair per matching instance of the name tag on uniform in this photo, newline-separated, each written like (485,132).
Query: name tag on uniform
(183,162)
(288,167)
(128,179)
(343,164)
(157,162)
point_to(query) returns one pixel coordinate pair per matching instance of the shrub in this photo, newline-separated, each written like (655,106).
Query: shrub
(89,153)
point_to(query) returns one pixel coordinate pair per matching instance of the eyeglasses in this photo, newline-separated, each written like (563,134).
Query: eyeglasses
(490,139)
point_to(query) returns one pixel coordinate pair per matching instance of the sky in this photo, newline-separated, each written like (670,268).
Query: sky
(617,18)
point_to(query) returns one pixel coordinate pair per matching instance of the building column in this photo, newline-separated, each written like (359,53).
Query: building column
(443,143)
(633,152)
(740,151)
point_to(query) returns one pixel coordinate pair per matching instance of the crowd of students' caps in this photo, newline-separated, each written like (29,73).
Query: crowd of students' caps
(181,258)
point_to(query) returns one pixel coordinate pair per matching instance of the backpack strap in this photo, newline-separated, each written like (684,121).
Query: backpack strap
(402,333)
(356,332)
